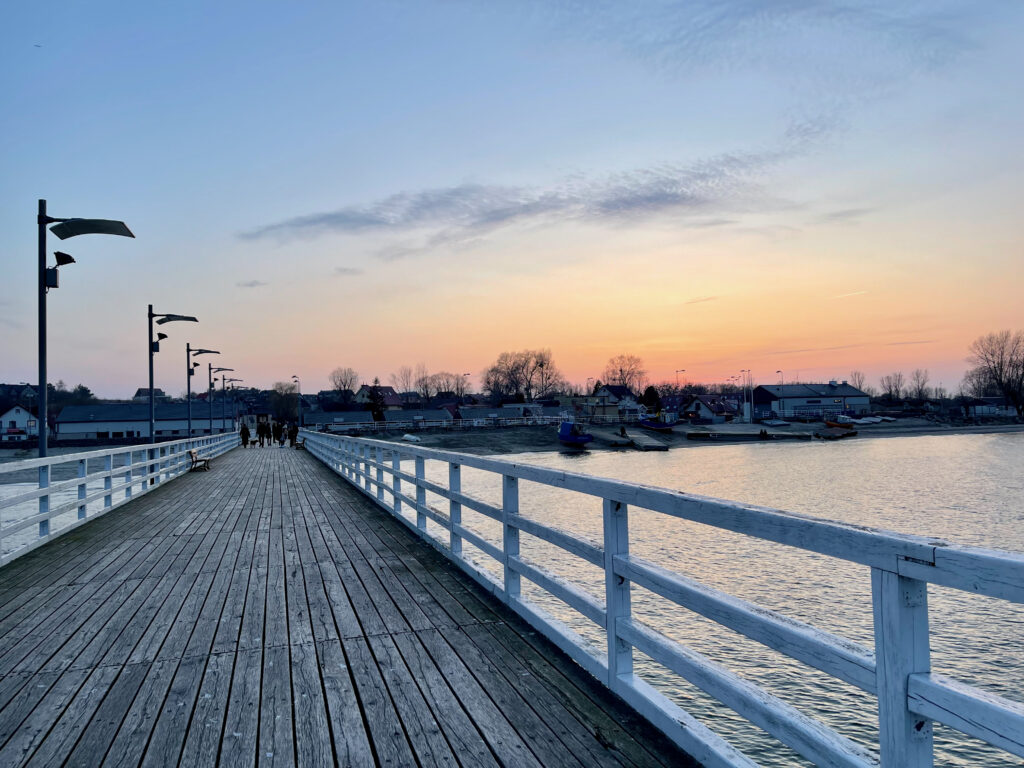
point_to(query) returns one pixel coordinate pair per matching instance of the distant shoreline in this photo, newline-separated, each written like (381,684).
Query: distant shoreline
(505,440)
(497,441)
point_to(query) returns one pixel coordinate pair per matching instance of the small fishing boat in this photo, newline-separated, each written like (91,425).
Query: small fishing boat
(834,433)
(571,435)
(839,425)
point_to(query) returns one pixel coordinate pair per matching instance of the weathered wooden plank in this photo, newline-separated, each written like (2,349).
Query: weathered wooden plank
(383,723)
(202,742)
(132,736)
(277,735)
(348,730)
(173,716)
(99,732)
(241,726)
(500,734)
(420,723)
(312,727)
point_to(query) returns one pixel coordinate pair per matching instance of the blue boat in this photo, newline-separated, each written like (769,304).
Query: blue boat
(572,435)
(658,426)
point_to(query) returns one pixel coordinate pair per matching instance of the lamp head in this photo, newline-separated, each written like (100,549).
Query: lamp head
(74,227)
(63,259)
(171,318)
(161,336)
(205,352)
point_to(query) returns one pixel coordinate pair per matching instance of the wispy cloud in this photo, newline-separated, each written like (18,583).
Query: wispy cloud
(848,295)
(347,271)
(453,216)
(701,300)
(250,283)
(845,215)
(908,343)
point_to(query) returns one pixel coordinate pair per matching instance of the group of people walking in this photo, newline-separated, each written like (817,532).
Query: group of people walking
(270,432)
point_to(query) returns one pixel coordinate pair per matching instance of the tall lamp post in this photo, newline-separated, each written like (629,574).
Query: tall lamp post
(63,228)
(154,347)
(210,392)
(782,379)
(678,371)
(191,366)
(298,405)
(224,382)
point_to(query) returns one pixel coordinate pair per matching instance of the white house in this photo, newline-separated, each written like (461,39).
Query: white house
(18,424)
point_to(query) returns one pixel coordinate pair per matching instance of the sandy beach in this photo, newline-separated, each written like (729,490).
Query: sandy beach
(502,440)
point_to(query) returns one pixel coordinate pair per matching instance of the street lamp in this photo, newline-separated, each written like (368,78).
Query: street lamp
(211,390)
(224,382)
(63,228)
(298,386)
(154,347)
(191,366)
(678,371)
(782,379)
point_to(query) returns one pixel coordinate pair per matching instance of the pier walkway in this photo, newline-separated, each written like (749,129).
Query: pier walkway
(268,613)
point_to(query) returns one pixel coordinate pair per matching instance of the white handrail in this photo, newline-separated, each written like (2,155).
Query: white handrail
(128,471)
(897,670)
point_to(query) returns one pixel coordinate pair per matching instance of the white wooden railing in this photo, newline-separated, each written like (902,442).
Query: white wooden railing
(127,472)
(897,671)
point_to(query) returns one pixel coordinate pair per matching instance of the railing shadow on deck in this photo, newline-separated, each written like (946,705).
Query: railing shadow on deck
(897,671)
(58,505)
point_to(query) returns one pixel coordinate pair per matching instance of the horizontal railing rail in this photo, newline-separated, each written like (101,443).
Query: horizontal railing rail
(126,472)
(896,671)
(477,422)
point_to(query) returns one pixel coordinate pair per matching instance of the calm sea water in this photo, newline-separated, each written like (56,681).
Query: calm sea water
(968,489)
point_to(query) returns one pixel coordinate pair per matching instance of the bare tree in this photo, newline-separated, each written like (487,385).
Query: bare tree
(530,373)
(284,400)
(919,389)
(402,380)
(344,378)
(626,371)
(424,382)
(857,379)
(444,381)
(892,385)
(998,358)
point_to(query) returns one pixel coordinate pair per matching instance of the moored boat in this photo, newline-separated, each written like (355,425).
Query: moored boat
(571,434)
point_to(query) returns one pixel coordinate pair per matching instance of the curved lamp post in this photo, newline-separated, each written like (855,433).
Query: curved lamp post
(210,392)
(298,406)
(154,347)
(225,381)
(191,366)
(63,228)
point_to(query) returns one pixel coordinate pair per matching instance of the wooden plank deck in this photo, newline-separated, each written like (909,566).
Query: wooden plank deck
(266,613)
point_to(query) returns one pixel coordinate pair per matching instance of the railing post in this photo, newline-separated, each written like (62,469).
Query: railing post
(901,649)
(380,473)
(421,494)
(108,480)
(455,509)
(81,490)
(617,590)
(396,481)
(128,475)
(44,501)
(510,533)
(364,453)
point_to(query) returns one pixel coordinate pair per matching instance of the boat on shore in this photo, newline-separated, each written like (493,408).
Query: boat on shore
(835,433)
(571,435)
(658,426)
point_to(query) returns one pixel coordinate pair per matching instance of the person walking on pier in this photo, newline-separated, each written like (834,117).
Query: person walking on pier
(261,432)
(244,434)
(293,433)
(276,432)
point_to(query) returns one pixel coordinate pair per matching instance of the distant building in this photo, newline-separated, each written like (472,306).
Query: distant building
(106,421)
(390,397)
(142,395)
(18,423)
(810,400)
(17,394)
(414,416)
(713,408)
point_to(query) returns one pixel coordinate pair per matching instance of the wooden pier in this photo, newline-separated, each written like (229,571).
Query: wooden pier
(267,613)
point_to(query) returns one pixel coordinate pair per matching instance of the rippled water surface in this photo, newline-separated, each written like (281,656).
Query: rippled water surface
(968,489)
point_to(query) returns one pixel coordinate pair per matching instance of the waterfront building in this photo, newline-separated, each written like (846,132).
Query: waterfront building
(111,421)
(18,423)
(810,400)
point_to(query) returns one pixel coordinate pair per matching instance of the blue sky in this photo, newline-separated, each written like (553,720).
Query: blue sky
(801,185)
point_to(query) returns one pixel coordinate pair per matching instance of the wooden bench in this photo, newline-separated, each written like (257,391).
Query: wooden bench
(198,462)
(300,444)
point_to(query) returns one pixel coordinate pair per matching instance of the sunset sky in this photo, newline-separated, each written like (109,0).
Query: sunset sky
(796,185)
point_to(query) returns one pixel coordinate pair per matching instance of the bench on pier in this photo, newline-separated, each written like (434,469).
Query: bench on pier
(300,444)
(198,462)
